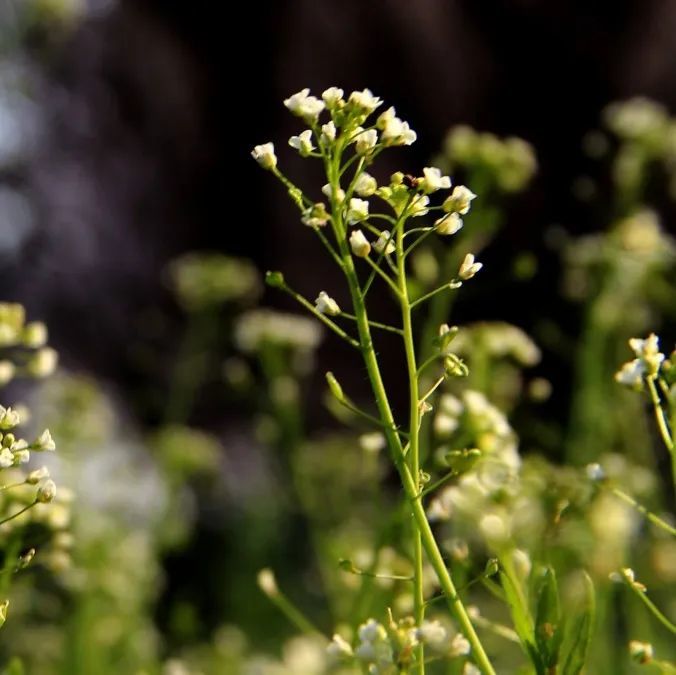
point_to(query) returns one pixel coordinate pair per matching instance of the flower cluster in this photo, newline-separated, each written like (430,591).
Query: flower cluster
(646,364)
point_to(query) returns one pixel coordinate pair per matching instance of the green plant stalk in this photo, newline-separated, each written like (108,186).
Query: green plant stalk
(410,484)
(414,435)
(653,518)
(663,425)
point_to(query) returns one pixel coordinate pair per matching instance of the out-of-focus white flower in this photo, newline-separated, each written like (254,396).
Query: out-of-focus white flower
(44,442)
(359,244)
(459,201)
(470,669)
(631,374)
(267,582)
(364,101)
(305,106)
(595,472)
(372,631)
(35,332)
(325,304)
(265,155)
(459,645)
(372,442)
(339,648)
(384,243)
(34,477)
(432,633)
(9,418)
(366,185)
(468,267)
(332,96)
(357,211)
(641,652)
(7,371)
(6,458)
(448,224)
(43,363)
(432,180)
(366,141)
(46,492)
(303,143)
(494,528)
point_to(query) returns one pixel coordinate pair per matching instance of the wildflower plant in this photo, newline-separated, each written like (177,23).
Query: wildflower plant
(369,231)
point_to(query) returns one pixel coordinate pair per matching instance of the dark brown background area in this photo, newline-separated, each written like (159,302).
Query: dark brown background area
(150,113)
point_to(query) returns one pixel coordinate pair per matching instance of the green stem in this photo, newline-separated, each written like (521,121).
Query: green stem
(410,484)
(654,610)
(654,519)
(18,513)
(450,286)
(662,424)
(375,324)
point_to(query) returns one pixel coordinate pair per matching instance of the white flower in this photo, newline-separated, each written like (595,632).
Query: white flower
(396,132)
(9,418)
(6,458)
(35,333)
(366,185)
(364,101)
(448,224)
(469,268)
(267,582)
(385,117)
(431,633)
(332,96)
(648,351)
(265,155)
(315,216)
(339,648)
(325,304)
(494,528)
(419,206)
(631,374)
(372,631)
(385,242)
(357,211)
(433,180)
(303,143)
(372,442)
(459,201)
(44,442)
(366,141)
(641,652)
(46,492)
(459,645)
(43,362)
(7,371)
(359,244)
(34,477)
(305,106)
(595,472)
(470,669)
(22,456)
(327,191)
(328,132)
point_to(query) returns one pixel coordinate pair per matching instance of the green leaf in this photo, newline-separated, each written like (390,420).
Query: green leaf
(523,623)
(15,667)
(580,636)
(548,631)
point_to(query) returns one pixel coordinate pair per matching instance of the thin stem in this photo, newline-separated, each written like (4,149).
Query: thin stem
(433,388)
(428,362)
(654,610)
(387,279)
(322,317)
(375,324)
(18,513)
(437,484)
(409,483)
(662,424)
(418,241)
(328,246)
(449,286)
(654,519)
(293,614)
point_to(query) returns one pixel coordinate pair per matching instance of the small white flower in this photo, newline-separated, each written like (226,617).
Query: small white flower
(469,268)
(267,582)
(43,362)
(46,492)
(595,472)
(396,132)
(35,333)
(315,216)
(366,185)
(328,132)
(373,442)
(631,374)
(364,101)
(7,371)
(357,211)
(34,477)
(419,206)
(494,528)
(372,631)
(303,143)
(459,201)
(44,442)
(641,652)
(366,141)
(433,180)
(265,155)
(9,418)
(470,669)
(339,648)
(327,191)
(459,645)
(385,117)
(305,106)
(648,351)
(332,96)
(325,304)
(448,224)
(6,458)
(359,244)
(385,243)
(432,633)
(21,456)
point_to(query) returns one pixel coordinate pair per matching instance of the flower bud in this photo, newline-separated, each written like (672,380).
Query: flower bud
(267,582)
(34,477)
(448,224)
(46,492)
(469,268)
(303,143)
(359,244)
(385,243)
(325,304)
(44,442)
(264,155)
(274,279)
